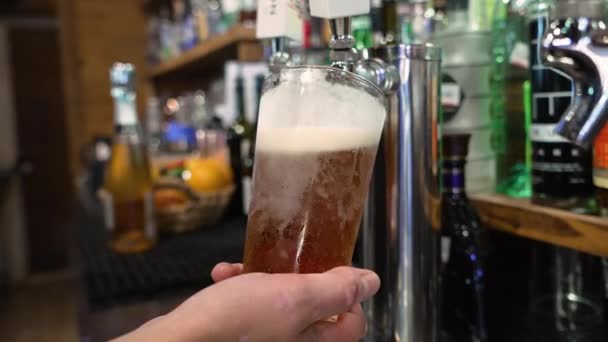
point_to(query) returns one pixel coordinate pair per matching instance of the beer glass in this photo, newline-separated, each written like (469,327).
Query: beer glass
(317,137)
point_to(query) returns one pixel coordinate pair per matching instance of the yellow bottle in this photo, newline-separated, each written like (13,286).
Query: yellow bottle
(127,189)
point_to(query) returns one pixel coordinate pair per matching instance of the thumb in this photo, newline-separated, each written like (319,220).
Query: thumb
(333,292)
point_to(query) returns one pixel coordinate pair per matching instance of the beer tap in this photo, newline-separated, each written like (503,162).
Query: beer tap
(342,53)
(279,20)
(576,43)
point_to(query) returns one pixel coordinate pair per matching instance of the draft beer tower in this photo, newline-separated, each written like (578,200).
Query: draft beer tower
(402,218)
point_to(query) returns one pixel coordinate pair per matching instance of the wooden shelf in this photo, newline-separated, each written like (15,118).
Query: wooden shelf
(520,217)
(237,43)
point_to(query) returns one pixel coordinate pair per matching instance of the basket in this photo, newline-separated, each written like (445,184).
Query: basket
(197,210)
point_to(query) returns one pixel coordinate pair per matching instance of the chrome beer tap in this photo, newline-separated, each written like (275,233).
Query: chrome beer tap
(342,53)
(278,21)
(576,43)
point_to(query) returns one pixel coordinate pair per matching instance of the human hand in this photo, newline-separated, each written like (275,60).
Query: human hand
(272,307)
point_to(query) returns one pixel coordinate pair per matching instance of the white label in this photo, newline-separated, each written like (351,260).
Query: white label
(246,181)
(125,113)
(276,18)
(520,56)
(446,244)
(450,94)
(230,6)
(107,206)
(545,133)
(249,5)
(149,219)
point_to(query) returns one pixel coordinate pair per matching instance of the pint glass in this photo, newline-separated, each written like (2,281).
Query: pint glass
(317,137)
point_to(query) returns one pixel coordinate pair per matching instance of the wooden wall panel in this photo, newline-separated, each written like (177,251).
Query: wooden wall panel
(42,140)
(94,35)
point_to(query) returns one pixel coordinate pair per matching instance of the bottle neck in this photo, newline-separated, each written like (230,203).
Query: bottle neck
(240,104)
(453,177)
(125,114)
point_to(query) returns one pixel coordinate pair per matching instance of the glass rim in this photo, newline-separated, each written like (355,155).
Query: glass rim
(365,84)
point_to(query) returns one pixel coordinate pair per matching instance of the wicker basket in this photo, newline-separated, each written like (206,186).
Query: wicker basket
(200,209)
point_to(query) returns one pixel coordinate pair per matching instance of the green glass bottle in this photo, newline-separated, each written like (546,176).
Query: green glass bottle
(510,69)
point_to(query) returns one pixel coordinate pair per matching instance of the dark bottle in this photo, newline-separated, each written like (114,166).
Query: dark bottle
(239,140)
(462,274)
(561,171)
(391,31)
(376,17)
(248,159)
(248,13)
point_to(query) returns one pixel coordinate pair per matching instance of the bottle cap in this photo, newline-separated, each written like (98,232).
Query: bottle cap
(455,146)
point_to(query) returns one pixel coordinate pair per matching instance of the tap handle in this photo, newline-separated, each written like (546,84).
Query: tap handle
(279,20)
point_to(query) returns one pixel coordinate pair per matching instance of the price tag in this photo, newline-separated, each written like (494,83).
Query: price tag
(520,56)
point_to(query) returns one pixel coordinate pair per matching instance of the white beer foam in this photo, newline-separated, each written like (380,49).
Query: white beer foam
(315,139)
(307,113)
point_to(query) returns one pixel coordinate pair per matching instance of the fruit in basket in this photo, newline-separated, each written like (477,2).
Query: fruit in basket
(207,174)
(170,198)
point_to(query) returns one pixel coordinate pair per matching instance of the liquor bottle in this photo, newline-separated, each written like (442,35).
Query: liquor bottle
(465,90)
(232,11)
(248,160)
(154,130)
(561,171)
(362,31)
(376,16)
(248,12)
(600,180)
(462,275)
(127,187)
(389,18)
(240,135)
(510,69)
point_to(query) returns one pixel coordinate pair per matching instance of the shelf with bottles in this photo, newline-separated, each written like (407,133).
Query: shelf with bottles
(520,217)
(237,43)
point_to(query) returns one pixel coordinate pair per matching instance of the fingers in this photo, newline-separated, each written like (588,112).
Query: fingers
(333,293)
(224,270)
(350,327)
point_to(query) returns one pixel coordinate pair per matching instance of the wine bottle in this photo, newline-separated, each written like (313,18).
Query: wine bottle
(462,274)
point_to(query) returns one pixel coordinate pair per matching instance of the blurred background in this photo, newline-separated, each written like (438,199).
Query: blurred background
(121,185)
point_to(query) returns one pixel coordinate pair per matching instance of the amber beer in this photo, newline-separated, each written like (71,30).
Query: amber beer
(310,180)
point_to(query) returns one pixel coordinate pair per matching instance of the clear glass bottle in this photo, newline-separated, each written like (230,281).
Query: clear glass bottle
(127,188)
(510,69)
(462,285)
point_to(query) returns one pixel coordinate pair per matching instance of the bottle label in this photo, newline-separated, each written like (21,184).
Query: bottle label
(520,55)
(245,145)
(452,97)
(246,181)
(150,221)
(231,6)
(107,207)
(125,113)
(559,168)
(446,244)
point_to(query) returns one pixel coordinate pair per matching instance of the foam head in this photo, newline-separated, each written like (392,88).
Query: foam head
(310,110)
